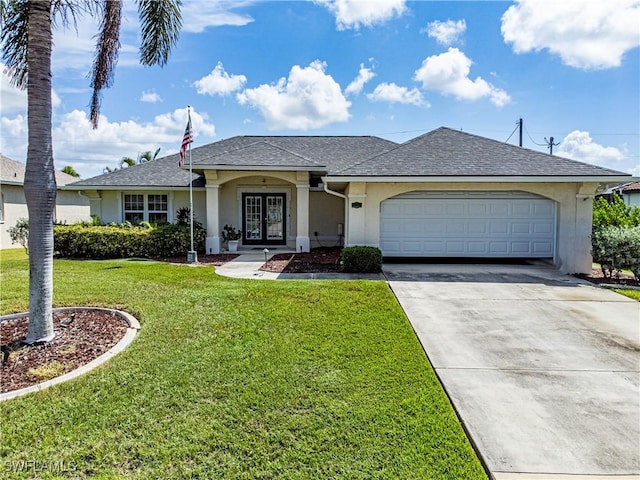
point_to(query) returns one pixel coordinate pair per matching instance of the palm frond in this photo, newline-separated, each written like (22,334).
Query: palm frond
(107,48)
(161,22)
(13,39)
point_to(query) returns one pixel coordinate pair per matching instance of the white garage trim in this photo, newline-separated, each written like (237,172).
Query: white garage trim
(468,224)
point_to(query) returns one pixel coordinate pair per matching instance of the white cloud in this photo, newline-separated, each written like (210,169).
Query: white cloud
(586,34)
(446,33)
(308,98)
(77,144)
(74,47)
(356,13)
(579,145)
(364,75)
(13,98)
(197,16)
(150,97)
(392,93)
(219,82)
(448,73)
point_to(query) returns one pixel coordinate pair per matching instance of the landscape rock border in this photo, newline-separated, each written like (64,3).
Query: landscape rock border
(130,334)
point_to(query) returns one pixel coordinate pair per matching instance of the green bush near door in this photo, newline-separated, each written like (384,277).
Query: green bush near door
(361,259)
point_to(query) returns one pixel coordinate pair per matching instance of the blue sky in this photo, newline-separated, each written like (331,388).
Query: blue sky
(390,68)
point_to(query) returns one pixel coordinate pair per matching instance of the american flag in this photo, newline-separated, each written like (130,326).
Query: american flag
(186,140)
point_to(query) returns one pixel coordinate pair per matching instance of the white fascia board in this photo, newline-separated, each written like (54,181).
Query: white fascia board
(137,188)
(258,168)
(479,179)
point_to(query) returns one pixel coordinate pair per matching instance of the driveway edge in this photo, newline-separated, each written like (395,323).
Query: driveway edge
(472,441)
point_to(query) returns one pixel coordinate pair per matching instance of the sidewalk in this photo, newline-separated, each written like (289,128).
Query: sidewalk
(247,265)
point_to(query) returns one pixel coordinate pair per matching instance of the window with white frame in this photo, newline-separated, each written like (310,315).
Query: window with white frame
(1,207)
(140,207)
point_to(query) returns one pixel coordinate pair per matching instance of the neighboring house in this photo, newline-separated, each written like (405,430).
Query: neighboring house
(630,193)
(70,207)
(443,194)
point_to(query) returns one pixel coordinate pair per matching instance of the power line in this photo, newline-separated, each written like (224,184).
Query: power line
(514,131)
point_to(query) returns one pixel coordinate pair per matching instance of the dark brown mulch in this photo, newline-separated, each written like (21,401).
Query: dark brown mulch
(81,336)
(596,276)
(204,260)
(320,260)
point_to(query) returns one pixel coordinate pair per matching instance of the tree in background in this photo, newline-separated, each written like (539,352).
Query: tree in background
(614,213)
(69,170)
(26,42)
(147,156)
(126,162)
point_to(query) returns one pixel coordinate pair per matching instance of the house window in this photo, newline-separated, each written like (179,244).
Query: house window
(151,208)
(1,207)
(157,208)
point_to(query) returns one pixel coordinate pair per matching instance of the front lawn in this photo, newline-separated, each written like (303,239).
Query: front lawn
(628,292)
(235,379)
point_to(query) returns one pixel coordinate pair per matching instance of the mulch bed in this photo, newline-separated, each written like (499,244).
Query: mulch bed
(320,260)
(597,277)
(81,336)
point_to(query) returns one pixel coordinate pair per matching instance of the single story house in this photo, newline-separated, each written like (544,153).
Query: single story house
(70,207)
(442,194)
(630,193)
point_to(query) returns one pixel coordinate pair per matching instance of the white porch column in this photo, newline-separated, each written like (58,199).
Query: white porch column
(302,235)
(213,219)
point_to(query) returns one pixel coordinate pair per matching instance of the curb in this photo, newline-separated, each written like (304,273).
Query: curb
(132,331)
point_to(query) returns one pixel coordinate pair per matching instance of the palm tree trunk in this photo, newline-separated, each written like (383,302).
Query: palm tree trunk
(40,181)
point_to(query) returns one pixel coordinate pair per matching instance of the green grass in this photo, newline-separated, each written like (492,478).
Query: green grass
(237,379)
(627,292)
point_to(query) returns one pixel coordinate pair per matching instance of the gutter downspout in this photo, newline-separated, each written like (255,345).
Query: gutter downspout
(337,194)
(341,231)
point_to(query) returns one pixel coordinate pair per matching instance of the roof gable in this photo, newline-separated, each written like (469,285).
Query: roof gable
(447,152)
(327,153)
(13,172)
(162,172)
(260,154)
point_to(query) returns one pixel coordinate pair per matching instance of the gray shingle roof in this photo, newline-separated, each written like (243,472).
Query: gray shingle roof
(328,154)
(442,152)
(162,172)
(260,154)
(12,172)
(447,152)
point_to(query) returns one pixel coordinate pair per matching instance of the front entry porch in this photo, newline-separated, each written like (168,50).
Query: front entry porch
(271,210)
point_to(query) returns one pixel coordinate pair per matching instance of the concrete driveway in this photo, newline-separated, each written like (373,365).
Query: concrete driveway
(543,370)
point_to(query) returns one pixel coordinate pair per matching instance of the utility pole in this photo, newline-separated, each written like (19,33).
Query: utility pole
(550,144)
(520,132)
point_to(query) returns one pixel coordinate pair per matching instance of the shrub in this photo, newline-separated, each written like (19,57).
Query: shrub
(361,259)
(125,241)
(617,248)
(614,213)
(19,233)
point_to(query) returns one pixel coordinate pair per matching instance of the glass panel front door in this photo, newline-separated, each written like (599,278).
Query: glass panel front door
(264,218)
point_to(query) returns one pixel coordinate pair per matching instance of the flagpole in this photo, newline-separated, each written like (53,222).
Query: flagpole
(193,252)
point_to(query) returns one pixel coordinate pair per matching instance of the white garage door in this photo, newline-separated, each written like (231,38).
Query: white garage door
(468,224)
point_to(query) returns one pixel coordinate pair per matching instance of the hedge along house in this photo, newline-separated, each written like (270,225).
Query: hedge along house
(443,194)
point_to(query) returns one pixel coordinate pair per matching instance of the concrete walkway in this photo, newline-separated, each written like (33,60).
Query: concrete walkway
(544,370)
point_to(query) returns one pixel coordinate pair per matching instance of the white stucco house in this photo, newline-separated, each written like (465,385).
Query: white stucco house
(443,194)
(630,193)
(70,206)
